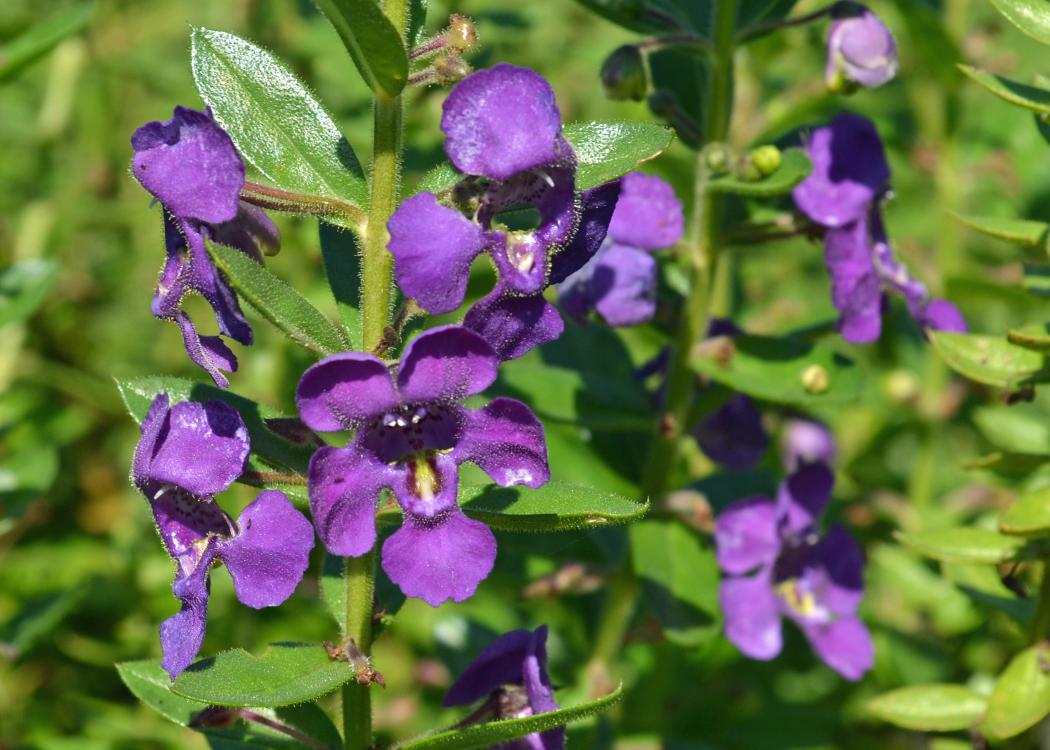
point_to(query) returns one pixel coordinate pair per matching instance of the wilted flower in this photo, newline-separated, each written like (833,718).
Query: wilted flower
(861,50)
(778,566)
(191,166)
(188,453)
(850,178)
(511,673)
(410,435)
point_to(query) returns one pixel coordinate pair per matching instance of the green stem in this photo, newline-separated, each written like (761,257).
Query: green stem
(357,697)
(1041,623)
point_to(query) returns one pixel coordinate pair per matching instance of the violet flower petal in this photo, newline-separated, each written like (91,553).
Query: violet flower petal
(343,390)
(752,615)
(861,50)
(855,287)
(514,326)
(541,693)
(648,214)
(733,435)
(803,497)
(805,442)
(507,441)
(746,535)
(344,485)
(845,645)
(596,210)
(623,286)
(182,521)
(942,315)
(182,634)
(209,353)
(842,562)
(500,663)
(447,363)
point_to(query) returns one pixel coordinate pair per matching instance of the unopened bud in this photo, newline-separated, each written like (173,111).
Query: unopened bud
(815,379)
(717,158)
(462,33)
(662,103)
(766,159)
(623,74)
(450,68)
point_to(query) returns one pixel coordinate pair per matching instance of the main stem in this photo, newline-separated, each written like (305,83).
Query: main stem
(376,293)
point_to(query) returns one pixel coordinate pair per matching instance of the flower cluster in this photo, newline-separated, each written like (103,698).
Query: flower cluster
(843,194)
(188,453)
(620,280)
(190,165)
(410,435)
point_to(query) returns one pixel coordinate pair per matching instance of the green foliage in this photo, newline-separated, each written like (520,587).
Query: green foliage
(794,168)
(23,288)
(42,37)
(965,544)
(607,150)
(929,708)
(1021,94)
(556,506)
(989,359)
(374,44)
(152,685)
(1030,16)
(1021,696)
(1019,231)
(1028,515)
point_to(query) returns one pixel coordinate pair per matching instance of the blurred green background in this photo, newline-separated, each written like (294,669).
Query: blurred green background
(84,582)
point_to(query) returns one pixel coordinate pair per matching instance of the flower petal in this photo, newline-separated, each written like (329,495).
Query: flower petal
(845,645)
(433,247)
(171,285)
(752,615)
(802,498)
(862,50)
(746,535)
(648,214)
(344,488)
(732,434)
(855,287)
(182,634)
(182,521)
(541,693)
(623,286)
(942,315)
(842,560)
(251,231)
(209,353)
(514,326)
(501,121)
(153,424)
(447,363)
(806,442)
(596,210)
(269,556)
(507,441)
(500,663)
(343,390)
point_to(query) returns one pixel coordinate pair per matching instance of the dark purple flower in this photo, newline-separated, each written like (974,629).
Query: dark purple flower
(732,435)
(191,166)
(187,454)
(843,193)
(861,50)
(410,435)
(776,565)
(511,674)
(805,441)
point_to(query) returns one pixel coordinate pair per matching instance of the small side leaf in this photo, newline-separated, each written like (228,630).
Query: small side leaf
(285,674)
(556,506)
(965,544)
(1030,16)
(279,302)
(929,708)
(988,359)
(1021,94)
(794,167)
(23,288)
(1021,697)
(372,41)
(496,732)
(607,150)
(1018,231)
(1029,515)
(148,681)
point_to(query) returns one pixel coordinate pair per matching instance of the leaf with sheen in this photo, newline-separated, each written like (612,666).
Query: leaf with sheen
(1030,16)
(279,302)
(42,37)
(342,266)
(794,167)
(372,41)
(991,360)
(556,506)
(1021,94)
(148,681)
(607,150)
(1018,231)
(772,369)
(275,121)
(965,544)
(1021,697)
(496,732)
(23,288)
(286,673)
(1029,515)
(929,708)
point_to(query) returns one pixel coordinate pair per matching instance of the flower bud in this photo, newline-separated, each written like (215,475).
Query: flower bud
(718,158)
(623,74)
(861,50)
(462,34)
(450,68)
(766,159)
(662,103)
(815,379)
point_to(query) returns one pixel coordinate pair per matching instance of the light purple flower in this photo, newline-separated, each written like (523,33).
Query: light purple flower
(805,441)
(410,435)
(776,565)
(511,674)
(843,193)
(187,454)
(192,168)
(861,50)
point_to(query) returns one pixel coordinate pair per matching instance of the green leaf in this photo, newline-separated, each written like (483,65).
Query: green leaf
(964,544)
(929,708)
(275,121)
(1021,94)
(43,37)
(1037,279)
(1030,16)
(342,267)
(794,168)
(439,179)
(991,360)
(556,506)
(1018,231)
(496,732)
(372,41)
(279,302)
(286,673)
(626,14)
(779,369)
(1029,515)
(23,288)
(1010,465)
(148,681)
(417,21)
(679,578)
(1021,697)
(1017,429)
(607,150)
(1034,337)
(138,394)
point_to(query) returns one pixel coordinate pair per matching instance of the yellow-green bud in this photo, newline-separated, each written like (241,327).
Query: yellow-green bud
(450,68)
(718,158)
(766,159)
(815,379)
(462,33)
(623,74)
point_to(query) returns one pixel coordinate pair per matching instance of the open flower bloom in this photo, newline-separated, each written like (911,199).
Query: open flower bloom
(850,178)
(861,50)
(188,453)
(511,674)
(777,566)
(410,435)
(191,166)
(620,280)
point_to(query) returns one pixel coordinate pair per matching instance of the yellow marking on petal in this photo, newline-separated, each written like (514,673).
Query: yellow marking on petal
(804,604)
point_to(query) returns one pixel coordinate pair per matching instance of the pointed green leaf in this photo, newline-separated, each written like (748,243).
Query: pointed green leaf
(151,685)
(781,370)
(374,44)
(1021,697)
(556,506)
(279,302)
(607,150)
(989,359)
(929,708)
(1018,231)
(1030,16)
(42,37)
(342,267)
(1029,515)
(1021,94)
(794,168)
(286,673)
(23,288)
(1017,429)
(1034,337)
(965,544)
(275,121)
(497,732)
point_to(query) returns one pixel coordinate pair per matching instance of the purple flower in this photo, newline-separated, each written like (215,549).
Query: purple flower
(187,454)
(511,674)
(410,435)
(732,435)
(861,50)
(620,280)
(805,441)
(850,178)
(191,166)
(776,565)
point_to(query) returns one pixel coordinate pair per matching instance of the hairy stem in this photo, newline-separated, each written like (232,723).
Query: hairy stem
(292,732)
(357,698)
